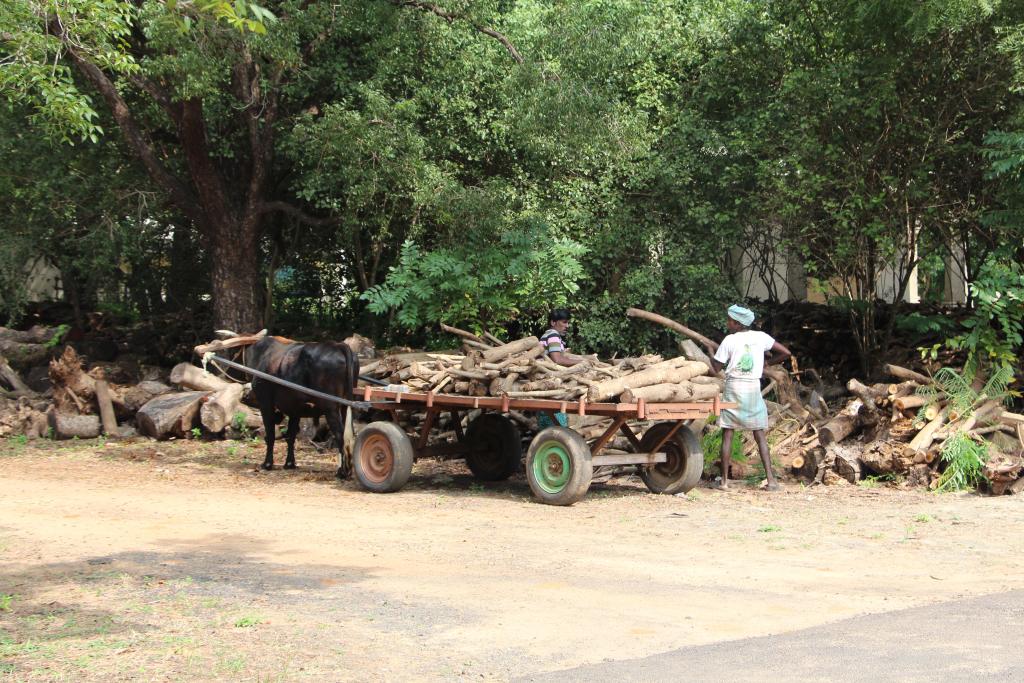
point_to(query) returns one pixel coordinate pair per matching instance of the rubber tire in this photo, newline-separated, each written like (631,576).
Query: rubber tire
(384,438)
(685,462)
(557,442)
(496,449)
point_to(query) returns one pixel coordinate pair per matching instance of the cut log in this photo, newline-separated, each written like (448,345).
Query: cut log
(847,463)
(806,463)
(170,415)
(233,342)
(542,384)
(912,401)
(523,358)
(689,348)
(219,411)
(463,334)
(673,371)
(672,325)
(906,374)
(191,377)
(885,457)
(670,393)
(786,390)
(106,407)
(1011,418)
(924,438)
(902,389)
(137,396)
(709,381)
(842,425)
(10,378)
(494,355)
(869,396)
(69,426)
(931,411)
(24,356)
(37,334)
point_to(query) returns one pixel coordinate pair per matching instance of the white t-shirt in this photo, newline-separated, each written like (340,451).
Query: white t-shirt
(736,345)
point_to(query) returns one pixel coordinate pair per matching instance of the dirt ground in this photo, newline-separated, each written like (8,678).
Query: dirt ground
(178,561)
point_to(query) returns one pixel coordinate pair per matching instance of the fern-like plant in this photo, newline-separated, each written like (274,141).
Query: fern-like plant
(965,458)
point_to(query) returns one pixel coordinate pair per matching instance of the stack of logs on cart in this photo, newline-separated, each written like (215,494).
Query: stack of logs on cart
(896,431)
(518,369)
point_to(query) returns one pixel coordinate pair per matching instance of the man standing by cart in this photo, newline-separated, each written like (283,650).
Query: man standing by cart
(743,354)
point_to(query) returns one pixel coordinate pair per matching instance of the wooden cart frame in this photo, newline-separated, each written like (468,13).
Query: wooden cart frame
(559,462)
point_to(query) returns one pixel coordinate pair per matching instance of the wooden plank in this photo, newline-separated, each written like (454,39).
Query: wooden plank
(381,398)
(628,459)
(630,435)
(606,437)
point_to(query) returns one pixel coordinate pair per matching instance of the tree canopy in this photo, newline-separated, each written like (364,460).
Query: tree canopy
(389,164)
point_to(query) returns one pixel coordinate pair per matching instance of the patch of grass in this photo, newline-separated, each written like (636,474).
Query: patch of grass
(769,528)
(232,665)
(248,622)
(5,602)
(923,518)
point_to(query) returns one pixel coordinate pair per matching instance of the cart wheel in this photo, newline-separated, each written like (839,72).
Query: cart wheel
(496,450)
(558,466)
(383,457)
(684,465)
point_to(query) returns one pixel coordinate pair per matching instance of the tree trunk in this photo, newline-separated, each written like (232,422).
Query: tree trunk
(235,279)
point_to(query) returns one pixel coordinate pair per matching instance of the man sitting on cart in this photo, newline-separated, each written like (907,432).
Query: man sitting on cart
(555,350)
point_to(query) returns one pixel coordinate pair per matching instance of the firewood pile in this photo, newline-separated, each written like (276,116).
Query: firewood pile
(903,431)
(518,369)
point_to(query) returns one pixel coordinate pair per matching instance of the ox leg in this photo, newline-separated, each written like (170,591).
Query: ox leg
(293,430)
(269,431)
(336,422)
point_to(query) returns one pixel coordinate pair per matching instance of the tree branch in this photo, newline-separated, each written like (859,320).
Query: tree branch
(451,18)
(137,141)
(285,207)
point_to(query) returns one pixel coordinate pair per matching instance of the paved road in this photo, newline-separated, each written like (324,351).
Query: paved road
(977,639)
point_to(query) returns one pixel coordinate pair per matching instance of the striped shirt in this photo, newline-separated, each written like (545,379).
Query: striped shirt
(551,341)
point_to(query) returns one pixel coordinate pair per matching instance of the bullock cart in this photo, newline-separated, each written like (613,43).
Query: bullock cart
(559,461)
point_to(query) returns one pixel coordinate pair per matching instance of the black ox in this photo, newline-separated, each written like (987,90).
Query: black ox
(329,367)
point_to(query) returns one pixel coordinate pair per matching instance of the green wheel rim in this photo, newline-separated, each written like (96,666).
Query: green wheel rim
(552,467)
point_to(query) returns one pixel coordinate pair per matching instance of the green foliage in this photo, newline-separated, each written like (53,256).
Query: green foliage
(630,157)
(958,388)
(965,458)
(921,324)
(995,328)
(711,444)
(58,336)
(479,283)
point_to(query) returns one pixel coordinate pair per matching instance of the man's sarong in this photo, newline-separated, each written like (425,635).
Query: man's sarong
(752,412)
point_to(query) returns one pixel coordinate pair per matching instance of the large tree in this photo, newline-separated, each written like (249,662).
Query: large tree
(201,92)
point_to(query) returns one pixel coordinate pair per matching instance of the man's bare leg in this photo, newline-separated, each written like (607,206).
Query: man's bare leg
(726,455)
(766,459)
